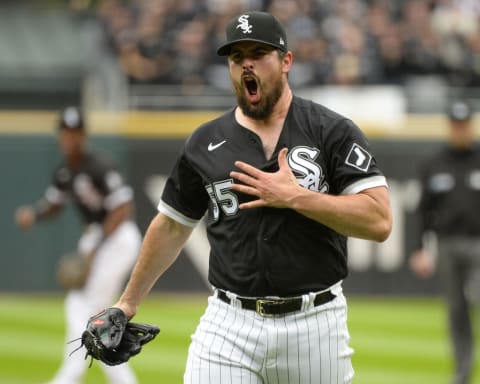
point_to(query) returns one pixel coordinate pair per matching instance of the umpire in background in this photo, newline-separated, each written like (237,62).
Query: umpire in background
(449,207)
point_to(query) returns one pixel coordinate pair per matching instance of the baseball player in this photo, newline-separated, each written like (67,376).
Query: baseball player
(284,181)
(111,239)
(449,207)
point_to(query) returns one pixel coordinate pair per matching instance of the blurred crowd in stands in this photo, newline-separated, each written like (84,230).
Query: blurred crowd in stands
(335,42)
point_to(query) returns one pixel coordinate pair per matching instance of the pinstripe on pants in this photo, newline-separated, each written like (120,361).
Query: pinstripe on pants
(233,345)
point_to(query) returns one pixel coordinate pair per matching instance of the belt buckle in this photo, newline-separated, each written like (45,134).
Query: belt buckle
(260,306)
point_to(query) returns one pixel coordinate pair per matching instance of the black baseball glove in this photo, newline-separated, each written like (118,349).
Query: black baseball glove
(111,338)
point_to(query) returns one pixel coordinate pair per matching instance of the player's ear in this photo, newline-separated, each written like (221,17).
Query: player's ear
(287,60)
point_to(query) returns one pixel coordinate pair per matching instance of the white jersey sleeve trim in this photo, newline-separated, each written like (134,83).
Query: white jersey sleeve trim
(55,196)
(175,215)
(118,197)
(361,185)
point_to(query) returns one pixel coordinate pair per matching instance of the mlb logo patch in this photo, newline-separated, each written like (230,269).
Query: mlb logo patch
(358,158)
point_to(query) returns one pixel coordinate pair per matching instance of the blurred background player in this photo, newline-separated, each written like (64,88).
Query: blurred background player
(449,207)
(111,238)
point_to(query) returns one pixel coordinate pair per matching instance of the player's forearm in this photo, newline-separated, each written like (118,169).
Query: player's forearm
(161,246)
(364,215)
(46,210)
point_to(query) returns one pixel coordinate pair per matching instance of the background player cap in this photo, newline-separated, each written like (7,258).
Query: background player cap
(71,118)
(260,27)
(459,110)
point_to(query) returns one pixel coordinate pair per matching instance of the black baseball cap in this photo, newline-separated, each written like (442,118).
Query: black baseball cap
(71,118)
(260,27)
(459,110)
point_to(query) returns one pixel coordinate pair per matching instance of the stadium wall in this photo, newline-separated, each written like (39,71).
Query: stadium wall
(145,145)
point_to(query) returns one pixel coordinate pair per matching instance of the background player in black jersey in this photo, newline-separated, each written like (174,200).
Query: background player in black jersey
(111,239)
(284,181)
(449,207)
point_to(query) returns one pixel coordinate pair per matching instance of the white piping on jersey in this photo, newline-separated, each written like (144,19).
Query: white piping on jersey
(361,185)
(118,197)
(167,210)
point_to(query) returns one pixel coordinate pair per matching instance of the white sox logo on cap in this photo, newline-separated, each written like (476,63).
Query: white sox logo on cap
(243,24)
(257,27)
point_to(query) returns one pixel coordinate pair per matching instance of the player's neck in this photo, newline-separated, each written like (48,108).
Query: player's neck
(275,119)
(75,160)
(269,129)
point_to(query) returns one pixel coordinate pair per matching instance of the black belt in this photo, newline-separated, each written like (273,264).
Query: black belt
(272,307)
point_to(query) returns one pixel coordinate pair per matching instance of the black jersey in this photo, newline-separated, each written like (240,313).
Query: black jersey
(270,251)
(450,199)
(96,187)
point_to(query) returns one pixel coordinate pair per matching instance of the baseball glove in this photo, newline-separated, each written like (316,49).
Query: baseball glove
(73,270)
(112,339)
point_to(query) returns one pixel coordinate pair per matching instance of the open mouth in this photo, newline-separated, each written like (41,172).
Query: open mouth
(251,87)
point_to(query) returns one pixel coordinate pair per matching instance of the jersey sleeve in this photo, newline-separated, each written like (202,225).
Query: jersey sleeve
(57,192)
(352,167)
(110,183)
(118,192)
(184,198)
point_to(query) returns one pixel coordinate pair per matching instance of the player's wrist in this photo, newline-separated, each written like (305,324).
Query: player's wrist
(129,309)
(36,215)
(40,210)
(298,199)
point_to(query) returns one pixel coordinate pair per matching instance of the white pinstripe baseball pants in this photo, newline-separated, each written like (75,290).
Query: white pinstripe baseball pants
(232,345)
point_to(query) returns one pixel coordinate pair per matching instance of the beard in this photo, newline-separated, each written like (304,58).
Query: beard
(264,108)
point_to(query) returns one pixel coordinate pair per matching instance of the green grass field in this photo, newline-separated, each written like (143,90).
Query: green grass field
(396,341)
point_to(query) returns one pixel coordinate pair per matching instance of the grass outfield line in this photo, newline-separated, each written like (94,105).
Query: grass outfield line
(396,341)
